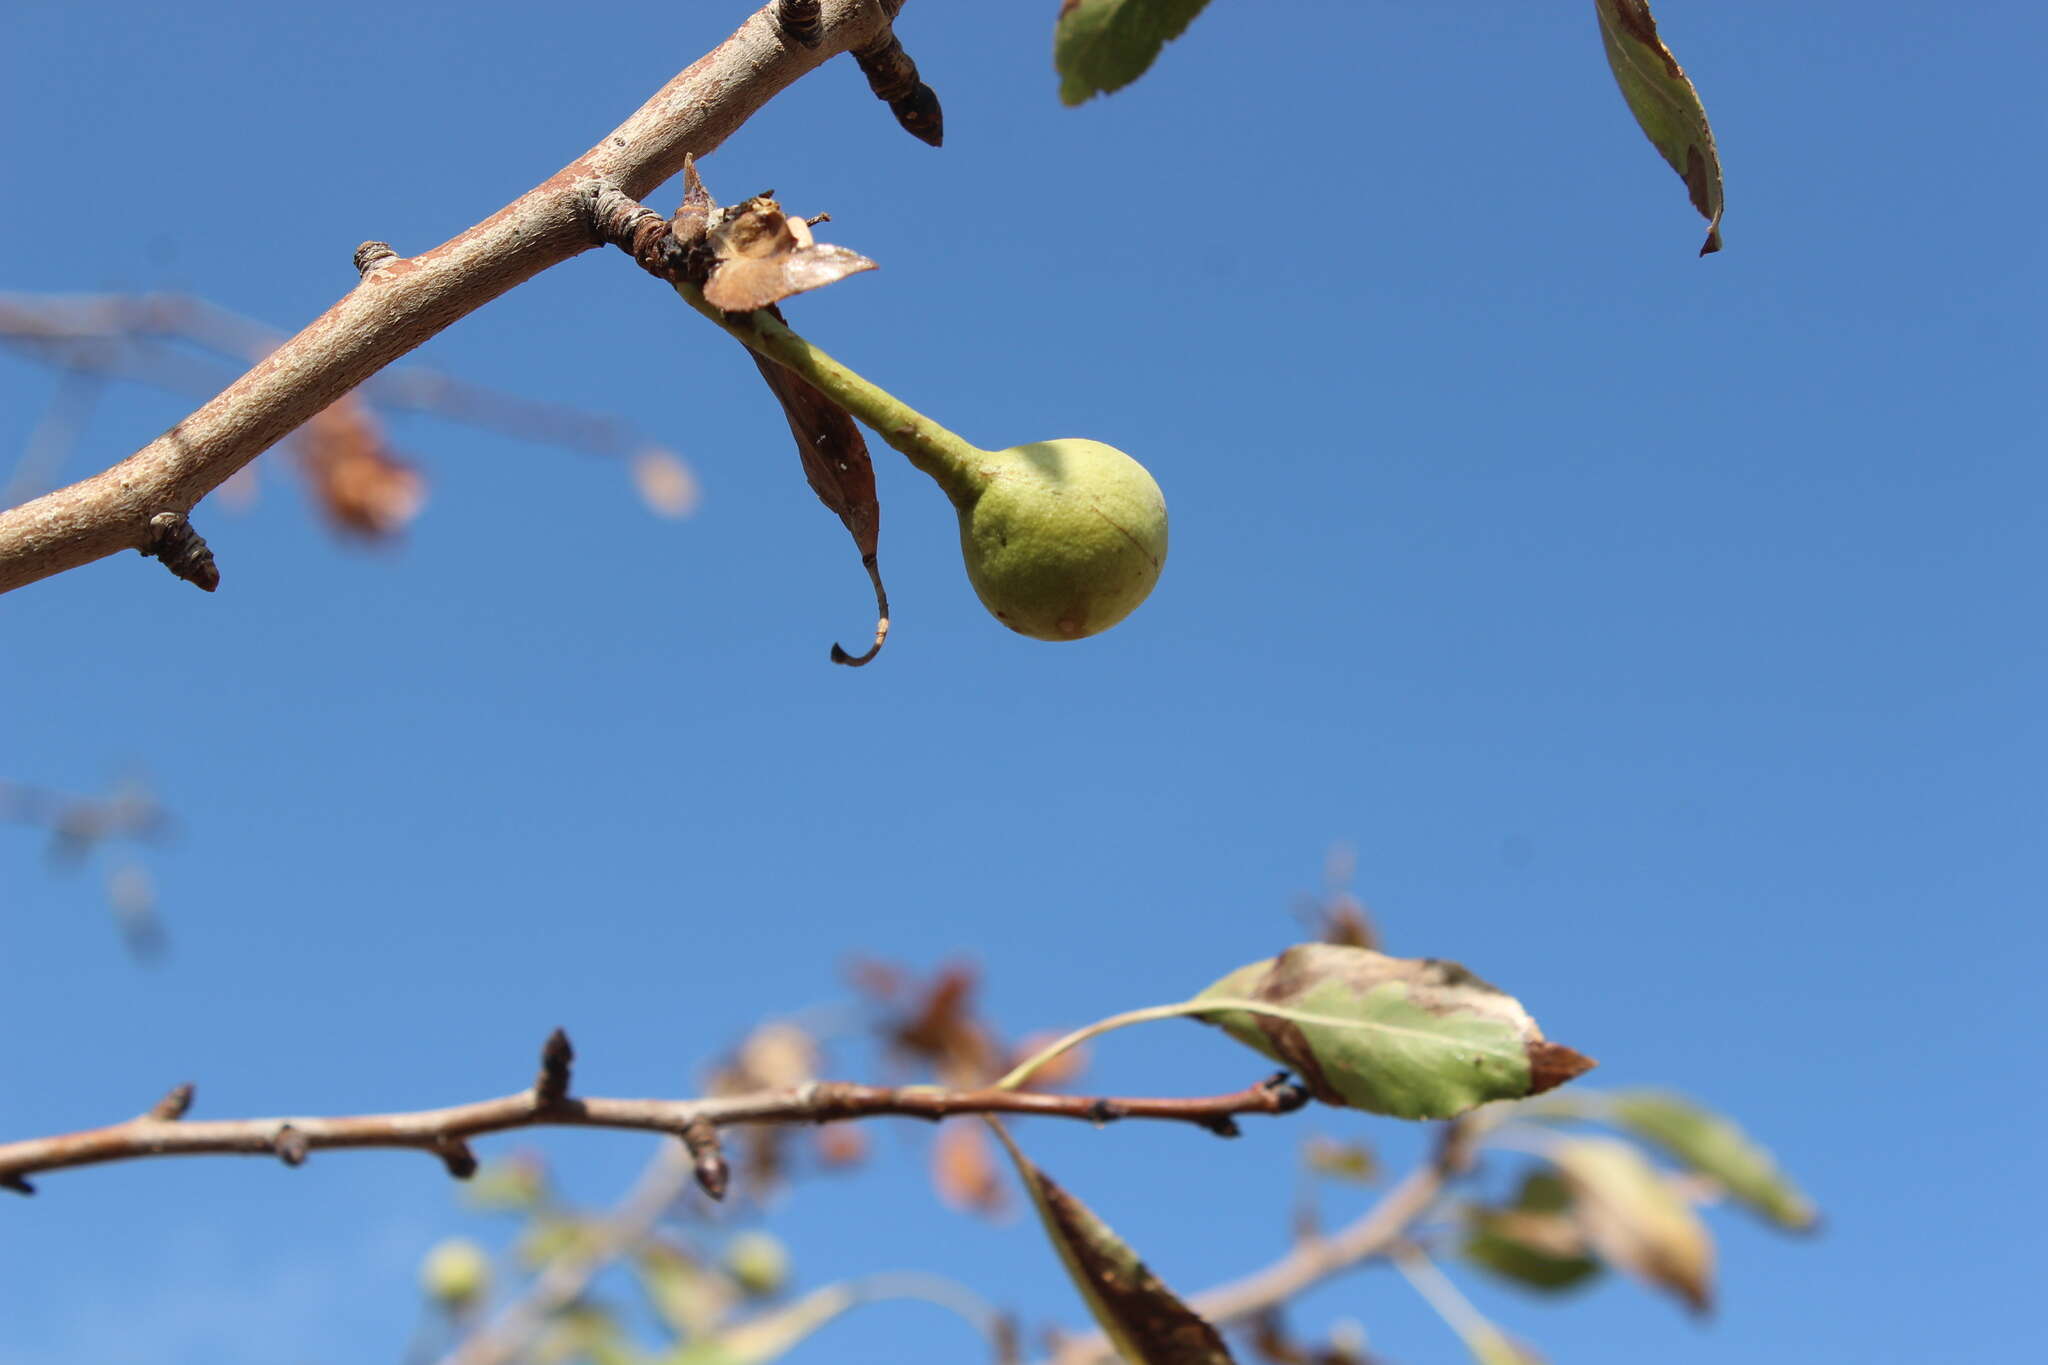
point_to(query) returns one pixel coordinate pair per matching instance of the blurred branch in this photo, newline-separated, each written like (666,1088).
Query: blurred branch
(1375,1233)
(548,1103)
(400,302)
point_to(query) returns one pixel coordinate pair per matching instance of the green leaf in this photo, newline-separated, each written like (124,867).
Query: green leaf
(1143,1319)
(1103,45)
(1665,104)
(1532,1241)
(1635,1219)
(1715,1147)
(1415,1038)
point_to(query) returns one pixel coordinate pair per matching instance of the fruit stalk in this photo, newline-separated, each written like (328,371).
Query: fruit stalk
(933,448)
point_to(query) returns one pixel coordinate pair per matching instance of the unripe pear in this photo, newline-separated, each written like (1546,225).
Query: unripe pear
(1062,539)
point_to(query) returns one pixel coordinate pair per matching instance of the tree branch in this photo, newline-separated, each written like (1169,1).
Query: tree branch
(401,302)
(444,1133)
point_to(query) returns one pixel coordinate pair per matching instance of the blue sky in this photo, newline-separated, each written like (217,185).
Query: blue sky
(1661,632)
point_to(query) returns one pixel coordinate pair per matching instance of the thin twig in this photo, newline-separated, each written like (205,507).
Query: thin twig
(442,1133)
(404,301)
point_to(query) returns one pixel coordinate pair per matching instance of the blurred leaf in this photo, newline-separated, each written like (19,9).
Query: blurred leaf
(1353,1161)
(665,484)
(770,1335)
(964,1169)
(362,486)
(1665,104)
(585,1333)
(1633,1217)
(1533,1241)
(549,1236)
(511,1185)
(1414,1038)
(1103,45)
(1142,1318)
(691,1299)
(1716,1147)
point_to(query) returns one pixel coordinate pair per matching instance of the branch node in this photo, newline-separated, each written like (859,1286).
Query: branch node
(893,77)
(17,1184)
(173,1105)
(551,1087)
(457,1157)
(1288,1094)
(707,1154)
(800,21)
(1103,1111)
(1223,1126)
(291,1146)
(182,549)
(618,219)
(370,255)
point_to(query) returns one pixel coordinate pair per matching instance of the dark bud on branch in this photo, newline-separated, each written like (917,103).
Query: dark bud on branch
(893,77)
(182,549)
(713,1174)
(551,1087)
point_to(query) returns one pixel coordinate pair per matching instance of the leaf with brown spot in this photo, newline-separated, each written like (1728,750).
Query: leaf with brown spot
(1143,1319)
(1632,1216)
(1414,1038)
(1665,105)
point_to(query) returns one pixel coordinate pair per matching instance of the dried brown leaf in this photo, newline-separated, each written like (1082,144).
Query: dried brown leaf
(361,485)
(964,1170)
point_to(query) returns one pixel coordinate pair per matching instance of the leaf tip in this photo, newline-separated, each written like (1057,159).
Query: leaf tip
(1552,1064)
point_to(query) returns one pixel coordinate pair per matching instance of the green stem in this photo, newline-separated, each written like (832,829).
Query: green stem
(1024,1070)
(953,462)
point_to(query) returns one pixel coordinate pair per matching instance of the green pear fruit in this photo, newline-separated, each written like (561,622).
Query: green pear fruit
(1063,539)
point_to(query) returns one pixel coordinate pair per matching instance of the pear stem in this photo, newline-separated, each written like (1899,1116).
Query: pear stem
(953,462)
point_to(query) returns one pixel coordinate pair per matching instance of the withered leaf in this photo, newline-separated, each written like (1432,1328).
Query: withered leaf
(1415,1038)
(964,1170)
(764,256)
(1143,1319)
(1631,1214)
(840,471)
(1665,105)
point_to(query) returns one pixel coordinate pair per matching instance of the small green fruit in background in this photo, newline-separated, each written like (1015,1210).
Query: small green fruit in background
(758,1262)
(456,1273)
(1063,539)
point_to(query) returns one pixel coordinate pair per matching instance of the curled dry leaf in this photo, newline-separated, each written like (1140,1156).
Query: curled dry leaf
(1143,1319)
(1665,105)
(364,488)
(763,256)
(1715,1147)
(1633,1217)
(839,470)
(1415,1038)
